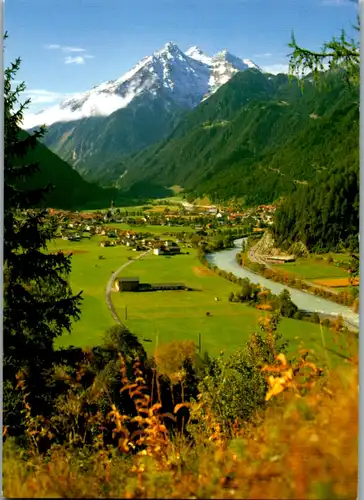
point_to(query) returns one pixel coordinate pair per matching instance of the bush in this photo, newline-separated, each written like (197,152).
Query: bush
(234,389)
(286,307)
(297,315)
(314,318)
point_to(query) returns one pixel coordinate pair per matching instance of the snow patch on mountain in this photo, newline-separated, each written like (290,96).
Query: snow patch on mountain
(197,54)
(170,74)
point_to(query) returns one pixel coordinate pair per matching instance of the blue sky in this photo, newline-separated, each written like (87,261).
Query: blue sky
(68,46)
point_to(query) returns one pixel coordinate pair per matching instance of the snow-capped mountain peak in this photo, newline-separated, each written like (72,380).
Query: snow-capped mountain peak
(168,74)
(197,54)
(240,64)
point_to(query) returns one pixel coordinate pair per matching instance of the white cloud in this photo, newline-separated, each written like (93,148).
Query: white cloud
(81,59)
(74,60)
(94,105)
(41,96)
(274,69)
(56,46)
(77,59)
(73,49)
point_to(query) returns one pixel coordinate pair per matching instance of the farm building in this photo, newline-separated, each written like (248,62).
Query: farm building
(127,284)
(174,250)
(280,259)
(170,248)
(108,243)
(154,287)
(169,286)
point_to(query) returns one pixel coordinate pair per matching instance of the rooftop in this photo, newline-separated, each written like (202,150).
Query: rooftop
(127,279)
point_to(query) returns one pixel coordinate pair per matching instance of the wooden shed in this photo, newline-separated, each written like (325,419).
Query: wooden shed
(127,284)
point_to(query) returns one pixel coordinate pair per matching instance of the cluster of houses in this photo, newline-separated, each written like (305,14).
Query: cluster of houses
(167,247)
(139,243)
(76,225)
(262,214)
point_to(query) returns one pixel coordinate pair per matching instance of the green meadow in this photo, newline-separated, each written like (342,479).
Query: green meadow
(91,274)
(175,315)
(158,317)
(312,269)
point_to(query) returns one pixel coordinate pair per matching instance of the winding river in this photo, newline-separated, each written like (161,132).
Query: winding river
(226,260)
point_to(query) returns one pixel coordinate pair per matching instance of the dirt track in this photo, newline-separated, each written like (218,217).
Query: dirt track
(109,303)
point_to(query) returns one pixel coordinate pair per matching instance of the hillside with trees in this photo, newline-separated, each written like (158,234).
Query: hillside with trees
(68,189)
(256,139)
(325,213)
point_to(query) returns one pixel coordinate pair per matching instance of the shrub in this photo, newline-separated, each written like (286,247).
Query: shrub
(314,318)
(297,315)
(234,389)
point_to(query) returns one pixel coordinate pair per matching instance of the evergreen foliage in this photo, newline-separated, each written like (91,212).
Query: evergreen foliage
(325,214)
(257,139)
(38,302)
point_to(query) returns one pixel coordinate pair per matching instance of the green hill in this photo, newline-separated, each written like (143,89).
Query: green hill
(323,215)
(93,145)
(256,139)
(70,191)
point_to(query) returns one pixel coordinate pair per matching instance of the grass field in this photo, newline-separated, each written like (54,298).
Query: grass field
(312,269)
(172,315)
(177,315)
(149,204)
(91,274)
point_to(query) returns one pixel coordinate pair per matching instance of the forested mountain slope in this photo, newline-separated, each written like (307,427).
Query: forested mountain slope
(255,139)
(70,190)
(91,144)
(323,215)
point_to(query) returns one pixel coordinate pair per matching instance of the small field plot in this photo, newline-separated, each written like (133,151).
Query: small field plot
(158,317)
(312,269)
(337,282)
(91,274)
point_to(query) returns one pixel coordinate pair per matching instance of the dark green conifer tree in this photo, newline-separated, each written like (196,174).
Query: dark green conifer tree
(38,302)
